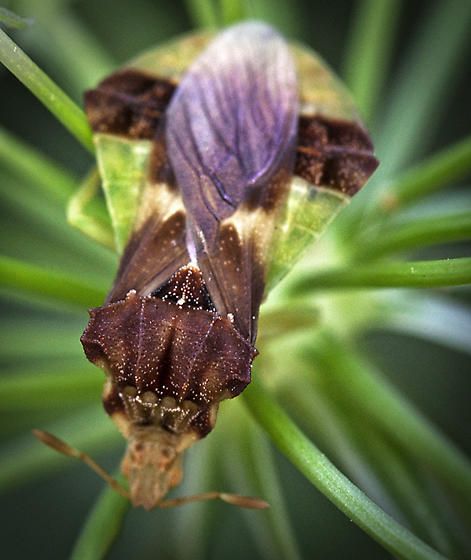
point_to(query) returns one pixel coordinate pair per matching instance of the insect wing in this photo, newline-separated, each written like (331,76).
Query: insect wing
(124,111)
(231,132)
(146,209)
(119,109)
(334,159)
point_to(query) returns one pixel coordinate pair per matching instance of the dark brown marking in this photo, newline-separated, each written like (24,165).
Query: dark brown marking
(334,153)
(188,354)
(112,401)
(152,254)
(128,103)
(330,152)
(187,289)
(234,271)
(270,196)
(159,168)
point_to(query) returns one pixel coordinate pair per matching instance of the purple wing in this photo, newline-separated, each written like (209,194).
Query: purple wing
(231,129)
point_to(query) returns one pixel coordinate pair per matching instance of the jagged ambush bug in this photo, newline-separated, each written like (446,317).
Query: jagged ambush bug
(221,159)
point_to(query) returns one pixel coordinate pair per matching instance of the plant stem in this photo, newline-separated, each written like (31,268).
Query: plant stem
(414,108)
(251,465)
(42,199)
(399,478)
(28,390)
(54,99)
(285,15)
(89,430)
(419,93)
(12,20)
(263,468)
(418,274)
(102,526)
(203,13)
(441,320)
(59,35)
(330,481)
(437,171)
(367,454)
(232,11)
(365,67)
(416,233)
(39,333)
(365,390)
(368,207)
(20,276)
(35,168)
(191,531)
(321,418)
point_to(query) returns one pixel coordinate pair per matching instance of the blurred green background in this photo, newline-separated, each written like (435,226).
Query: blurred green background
(41,517)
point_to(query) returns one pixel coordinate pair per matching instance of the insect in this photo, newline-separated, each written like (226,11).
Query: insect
(221,159)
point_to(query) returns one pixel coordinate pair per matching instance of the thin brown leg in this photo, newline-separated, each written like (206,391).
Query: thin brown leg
(233,499)
(64,448)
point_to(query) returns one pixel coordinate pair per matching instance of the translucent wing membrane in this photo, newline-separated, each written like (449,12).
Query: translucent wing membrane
(333,154)
(232,122)
(231,130)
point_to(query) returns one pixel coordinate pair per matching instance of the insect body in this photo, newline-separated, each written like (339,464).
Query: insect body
(236,162)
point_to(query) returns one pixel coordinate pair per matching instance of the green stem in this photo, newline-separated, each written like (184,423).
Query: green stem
(418,274)
(415,105)
(365,67)
(42,199)
(364,389)
(251,464)
(59,35)
(276,318)
(399,478)
(434,318)
(45,220)
(437,171)
(192,528)
(416,233)
(419,93)
(323,420)
(285,15)
(232,11)
(35,168)
(203,13)
(38,390)
(39,333)
(54,99)
(366,454)
(23,277)
(12,20)
(263,468)
(28,459)
(103,525)
(330,481)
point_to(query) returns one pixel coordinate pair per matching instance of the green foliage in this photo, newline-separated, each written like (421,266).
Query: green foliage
(412,490)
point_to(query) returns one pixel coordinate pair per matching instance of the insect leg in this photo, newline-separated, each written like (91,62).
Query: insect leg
(233,499)
(64,448)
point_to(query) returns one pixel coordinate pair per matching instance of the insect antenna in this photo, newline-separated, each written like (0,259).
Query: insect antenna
(233,499)
(64,448)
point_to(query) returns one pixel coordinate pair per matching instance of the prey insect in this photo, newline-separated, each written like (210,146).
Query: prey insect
(221,160)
